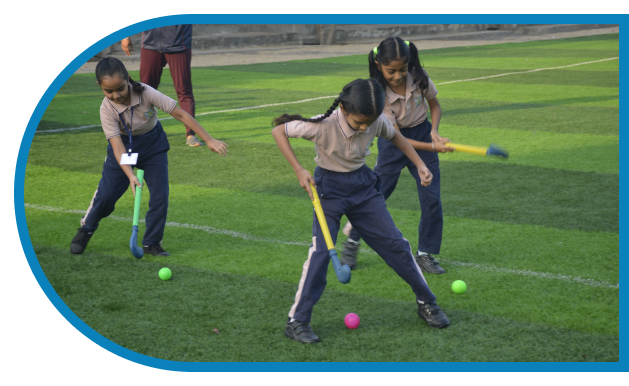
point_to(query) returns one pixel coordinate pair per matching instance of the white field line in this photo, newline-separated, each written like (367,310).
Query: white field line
(196,115)
(334,96)
(211,230)
(526,72)
(205,228)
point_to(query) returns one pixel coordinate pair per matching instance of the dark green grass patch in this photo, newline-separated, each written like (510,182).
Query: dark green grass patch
(124,300)
(522,195)
(533,116)
(534,94)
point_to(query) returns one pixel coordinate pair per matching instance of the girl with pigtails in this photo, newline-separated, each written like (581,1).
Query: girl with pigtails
(346,186)
(395,65)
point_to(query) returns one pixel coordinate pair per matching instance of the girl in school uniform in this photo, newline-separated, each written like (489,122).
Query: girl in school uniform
(409,94)
(136,139)
(346,186)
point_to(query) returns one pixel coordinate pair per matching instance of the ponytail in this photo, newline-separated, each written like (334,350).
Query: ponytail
(137,86)
(416,69)
(364,97)
(285,118)
(374,73)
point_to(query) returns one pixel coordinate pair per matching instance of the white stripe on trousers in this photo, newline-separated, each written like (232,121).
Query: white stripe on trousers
(304,274)
(89,208)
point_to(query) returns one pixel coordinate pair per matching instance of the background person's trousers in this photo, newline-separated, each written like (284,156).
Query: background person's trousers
(151,66)
(356,195)
(390,163)
(152,150)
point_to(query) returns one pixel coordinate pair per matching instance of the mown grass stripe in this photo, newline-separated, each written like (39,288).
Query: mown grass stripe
(334,96)
(486,268)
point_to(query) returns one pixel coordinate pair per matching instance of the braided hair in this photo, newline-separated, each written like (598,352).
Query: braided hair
(364,97)
(395,48)
(109,66)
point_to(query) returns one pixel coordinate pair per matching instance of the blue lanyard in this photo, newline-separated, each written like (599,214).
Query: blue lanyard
(128,129)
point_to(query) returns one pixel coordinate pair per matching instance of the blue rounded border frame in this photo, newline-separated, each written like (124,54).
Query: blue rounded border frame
(116,349)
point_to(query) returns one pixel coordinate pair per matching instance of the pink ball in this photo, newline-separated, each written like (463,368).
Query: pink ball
(352,320)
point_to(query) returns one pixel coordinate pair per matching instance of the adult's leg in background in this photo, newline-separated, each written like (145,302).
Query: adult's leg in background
(179,64)
(151,66)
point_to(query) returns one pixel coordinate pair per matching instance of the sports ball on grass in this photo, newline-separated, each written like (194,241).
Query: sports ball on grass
(352,320)
(459,286)
(165,273)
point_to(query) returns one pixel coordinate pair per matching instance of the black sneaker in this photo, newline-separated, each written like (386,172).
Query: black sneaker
(300,331)
(433,315)
(79,242)
(155,250)
(348,255)
(428,263)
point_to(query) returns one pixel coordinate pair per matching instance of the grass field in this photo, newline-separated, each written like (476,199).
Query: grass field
(536,238)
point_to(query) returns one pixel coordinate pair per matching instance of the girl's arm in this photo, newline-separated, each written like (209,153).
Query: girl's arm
(303,175)
(437,147)
(435,114)
(402,143)
(185,118)
(119,150)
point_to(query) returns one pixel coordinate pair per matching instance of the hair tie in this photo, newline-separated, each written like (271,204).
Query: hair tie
(375,51)
(407,43)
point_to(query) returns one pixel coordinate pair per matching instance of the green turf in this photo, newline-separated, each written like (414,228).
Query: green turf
(535,237)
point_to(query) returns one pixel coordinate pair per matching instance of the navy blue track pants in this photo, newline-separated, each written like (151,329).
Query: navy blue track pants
(390,163)
(356,195)
(152,148)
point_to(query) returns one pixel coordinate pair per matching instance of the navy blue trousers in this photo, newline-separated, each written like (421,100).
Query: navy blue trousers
(390,163)
(152,148)
(356,195)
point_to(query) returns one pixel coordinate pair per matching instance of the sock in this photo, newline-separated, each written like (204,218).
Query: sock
(292,320)
(352,241)
(419,301)
(421,253)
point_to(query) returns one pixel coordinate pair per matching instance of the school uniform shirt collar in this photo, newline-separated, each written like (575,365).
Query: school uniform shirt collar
(410,87)
(345,128)
(135,100)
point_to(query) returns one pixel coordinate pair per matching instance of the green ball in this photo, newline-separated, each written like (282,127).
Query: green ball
(459,286)
(165,273)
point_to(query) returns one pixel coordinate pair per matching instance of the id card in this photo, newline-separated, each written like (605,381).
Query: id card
(129,159)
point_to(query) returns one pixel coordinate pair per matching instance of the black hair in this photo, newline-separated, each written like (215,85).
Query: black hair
(364,97)
(108,67)
(395,48)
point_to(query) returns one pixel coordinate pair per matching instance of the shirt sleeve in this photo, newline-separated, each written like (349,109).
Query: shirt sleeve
(301,129)
(432,90)
(159,100)
(388,113)
(109,123)
(386,129)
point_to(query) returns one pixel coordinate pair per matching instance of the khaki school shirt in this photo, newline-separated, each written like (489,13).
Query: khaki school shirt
(408,110)
(340,148)
(144,112)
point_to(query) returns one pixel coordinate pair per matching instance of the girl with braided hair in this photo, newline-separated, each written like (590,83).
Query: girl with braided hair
(346,186)
(394,63)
